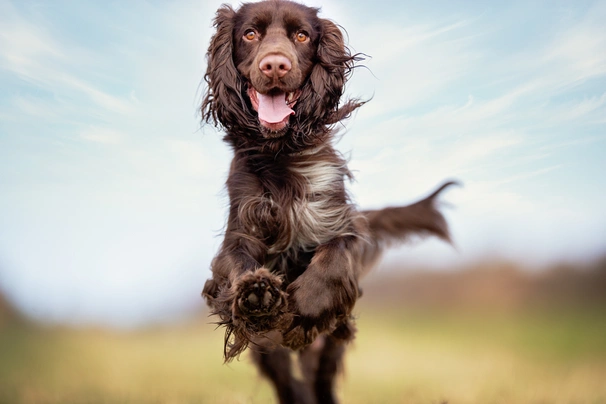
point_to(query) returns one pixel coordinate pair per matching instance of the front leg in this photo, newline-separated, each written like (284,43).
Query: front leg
(257,303)
(247,299)
(322,298)
(242,292)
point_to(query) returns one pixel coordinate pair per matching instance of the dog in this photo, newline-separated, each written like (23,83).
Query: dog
(287,275)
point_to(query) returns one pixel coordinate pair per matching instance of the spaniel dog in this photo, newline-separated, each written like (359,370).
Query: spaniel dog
(295,247)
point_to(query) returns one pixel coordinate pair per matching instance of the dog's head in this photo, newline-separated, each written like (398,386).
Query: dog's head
(275,75)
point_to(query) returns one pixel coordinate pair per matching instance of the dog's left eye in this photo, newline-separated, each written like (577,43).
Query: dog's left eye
(301,36)
(250,35)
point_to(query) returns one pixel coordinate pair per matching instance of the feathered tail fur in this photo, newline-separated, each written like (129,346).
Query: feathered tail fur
(398,224)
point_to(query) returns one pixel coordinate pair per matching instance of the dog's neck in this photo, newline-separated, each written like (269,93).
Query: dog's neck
(293,141)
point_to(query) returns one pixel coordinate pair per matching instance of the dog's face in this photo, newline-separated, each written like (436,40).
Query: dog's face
(274,49)
(276,73)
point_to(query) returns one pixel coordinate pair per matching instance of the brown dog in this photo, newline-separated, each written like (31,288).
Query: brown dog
(286,277)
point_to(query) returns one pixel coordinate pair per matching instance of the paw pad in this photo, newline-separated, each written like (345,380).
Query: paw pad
(259,297)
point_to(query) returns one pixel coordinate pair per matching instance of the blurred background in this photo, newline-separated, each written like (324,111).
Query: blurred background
(112,203)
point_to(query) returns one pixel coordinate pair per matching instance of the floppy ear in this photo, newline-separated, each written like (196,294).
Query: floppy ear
(223,103)
(328,76)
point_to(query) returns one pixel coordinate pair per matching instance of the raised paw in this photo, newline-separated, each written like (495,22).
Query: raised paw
(259,294)
(318,306)
(253,306)
(260,303)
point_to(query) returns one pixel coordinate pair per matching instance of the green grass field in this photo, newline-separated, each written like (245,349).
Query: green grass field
(495,336)
(406,357)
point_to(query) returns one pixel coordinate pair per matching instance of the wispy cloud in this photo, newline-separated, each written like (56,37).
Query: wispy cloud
(32,53)
(102,135)
(516,114)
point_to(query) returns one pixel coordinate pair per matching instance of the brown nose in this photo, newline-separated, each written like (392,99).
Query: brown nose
(275,66)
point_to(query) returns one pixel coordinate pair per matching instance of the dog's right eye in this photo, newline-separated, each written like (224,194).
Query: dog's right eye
(250,35)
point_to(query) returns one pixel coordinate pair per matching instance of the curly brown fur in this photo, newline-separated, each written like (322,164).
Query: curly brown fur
(286,276)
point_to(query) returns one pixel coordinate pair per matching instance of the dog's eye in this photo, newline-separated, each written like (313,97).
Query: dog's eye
(301,36)
(250,35)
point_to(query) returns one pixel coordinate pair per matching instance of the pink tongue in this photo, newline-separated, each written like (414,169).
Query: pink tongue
(273,108)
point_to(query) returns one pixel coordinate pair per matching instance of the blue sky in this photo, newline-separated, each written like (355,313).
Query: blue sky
(111,196)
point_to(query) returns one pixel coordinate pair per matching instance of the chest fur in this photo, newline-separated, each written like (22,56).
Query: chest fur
(322,211)
(301,207)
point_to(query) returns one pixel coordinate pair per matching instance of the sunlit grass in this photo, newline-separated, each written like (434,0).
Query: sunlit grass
(176,365)
(479,358)
(423,356)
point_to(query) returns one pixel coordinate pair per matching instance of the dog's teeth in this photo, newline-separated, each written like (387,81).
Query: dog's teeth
(290,95)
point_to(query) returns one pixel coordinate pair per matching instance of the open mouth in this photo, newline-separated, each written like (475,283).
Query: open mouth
(274,109)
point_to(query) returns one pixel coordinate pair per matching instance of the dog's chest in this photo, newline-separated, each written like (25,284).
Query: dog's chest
(316,210)
(320,213)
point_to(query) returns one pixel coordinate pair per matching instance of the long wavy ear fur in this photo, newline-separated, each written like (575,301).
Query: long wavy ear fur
(328,77)
(223,104)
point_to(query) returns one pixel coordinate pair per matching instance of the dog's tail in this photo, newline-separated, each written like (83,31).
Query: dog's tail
(398,224)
